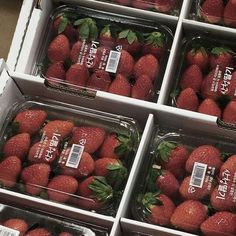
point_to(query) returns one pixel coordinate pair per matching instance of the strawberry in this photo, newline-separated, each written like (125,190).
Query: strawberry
(221,198)
(229,166)
(220,224)
(140,4)
(35,177)
(112,169)
(188,100)
(42,152)
(56,71)
(191,78)
(173,157)
(84,169)
(59,49)
(95,192)
(77,74)
(143,88)
(123,2)
(164,5)
(89,136)
(120,85)
(126,64)
(188,191)
(17,224)
(38,232)
(57,130)
(209,107)
(222,57)
(99,80)
(159,207)
(105,38)
(76,50)
(147,65)
(198,56)
(116,146)
(30,121)
(10,169)
(154,44)
(61,187)
(229,13)
(229,113)
(129,41)
(212,11)
(206,154)
(65,234)
(17,145)
(189,215)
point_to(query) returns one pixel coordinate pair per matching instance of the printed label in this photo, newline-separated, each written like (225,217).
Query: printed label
(113,61)
(198,175)
(4,231)
(75,156)
(91,57)
(216,79)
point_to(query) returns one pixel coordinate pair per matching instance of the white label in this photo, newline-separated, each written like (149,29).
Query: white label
(75,156)
(5,231)
(113,61)
(198,174)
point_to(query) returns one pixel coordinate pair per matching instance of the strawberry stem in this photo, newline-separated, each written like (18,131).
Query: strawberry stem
(164,149)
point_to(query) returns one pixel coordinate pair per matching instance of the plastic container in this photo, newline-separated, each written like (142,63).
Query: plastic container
(183,173)
(207,66)
(16,221)
(55,151)
(110,53)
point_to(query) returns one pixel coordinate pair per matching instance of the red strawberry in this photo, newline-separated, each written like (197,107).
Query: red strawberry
(77,74)
(89,136)
(17,224)
(209,107)
(220,224)
(65,234)
(38,232)
(85,166)
(205,154)
(123,2)
(158,206)
(164,5)
(198,56)
(229,13)
(43,152)
(126,64)
(59,49)
(222,57)
(99,80)
(10,169)
(147,65)
(35,177)
(143,88)
(105,38)
(76,50)
(191,78)
(229,113)
(229,167)
(173,157)
(212,11)
(120,85)
(61,187)
(30,121)
(56,71)
(154,44)
(167,183)
(188,191)
(188,100)
(140,4)
(129,41)
(17,145)
(57,130)
(189,215)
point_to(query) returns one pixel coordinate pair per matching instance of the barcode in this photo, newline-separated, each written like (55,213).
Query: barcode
(5,231)
(198,174)
(75,156)
(113,61)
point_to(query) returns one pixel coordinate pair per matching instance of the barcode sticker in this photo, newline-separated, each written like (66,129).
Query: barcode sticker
(75,156)
(5,231)
(113,61)
(198,174)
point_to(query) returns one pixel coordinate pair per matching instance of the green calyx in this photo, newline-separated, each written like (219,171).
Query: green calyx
(63,23)
(164,149)
(222,50)
(155,172)
(156,39)
(102,191)
(128,34)
(106,31)
(125,147)
(87,28)
(201,49)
